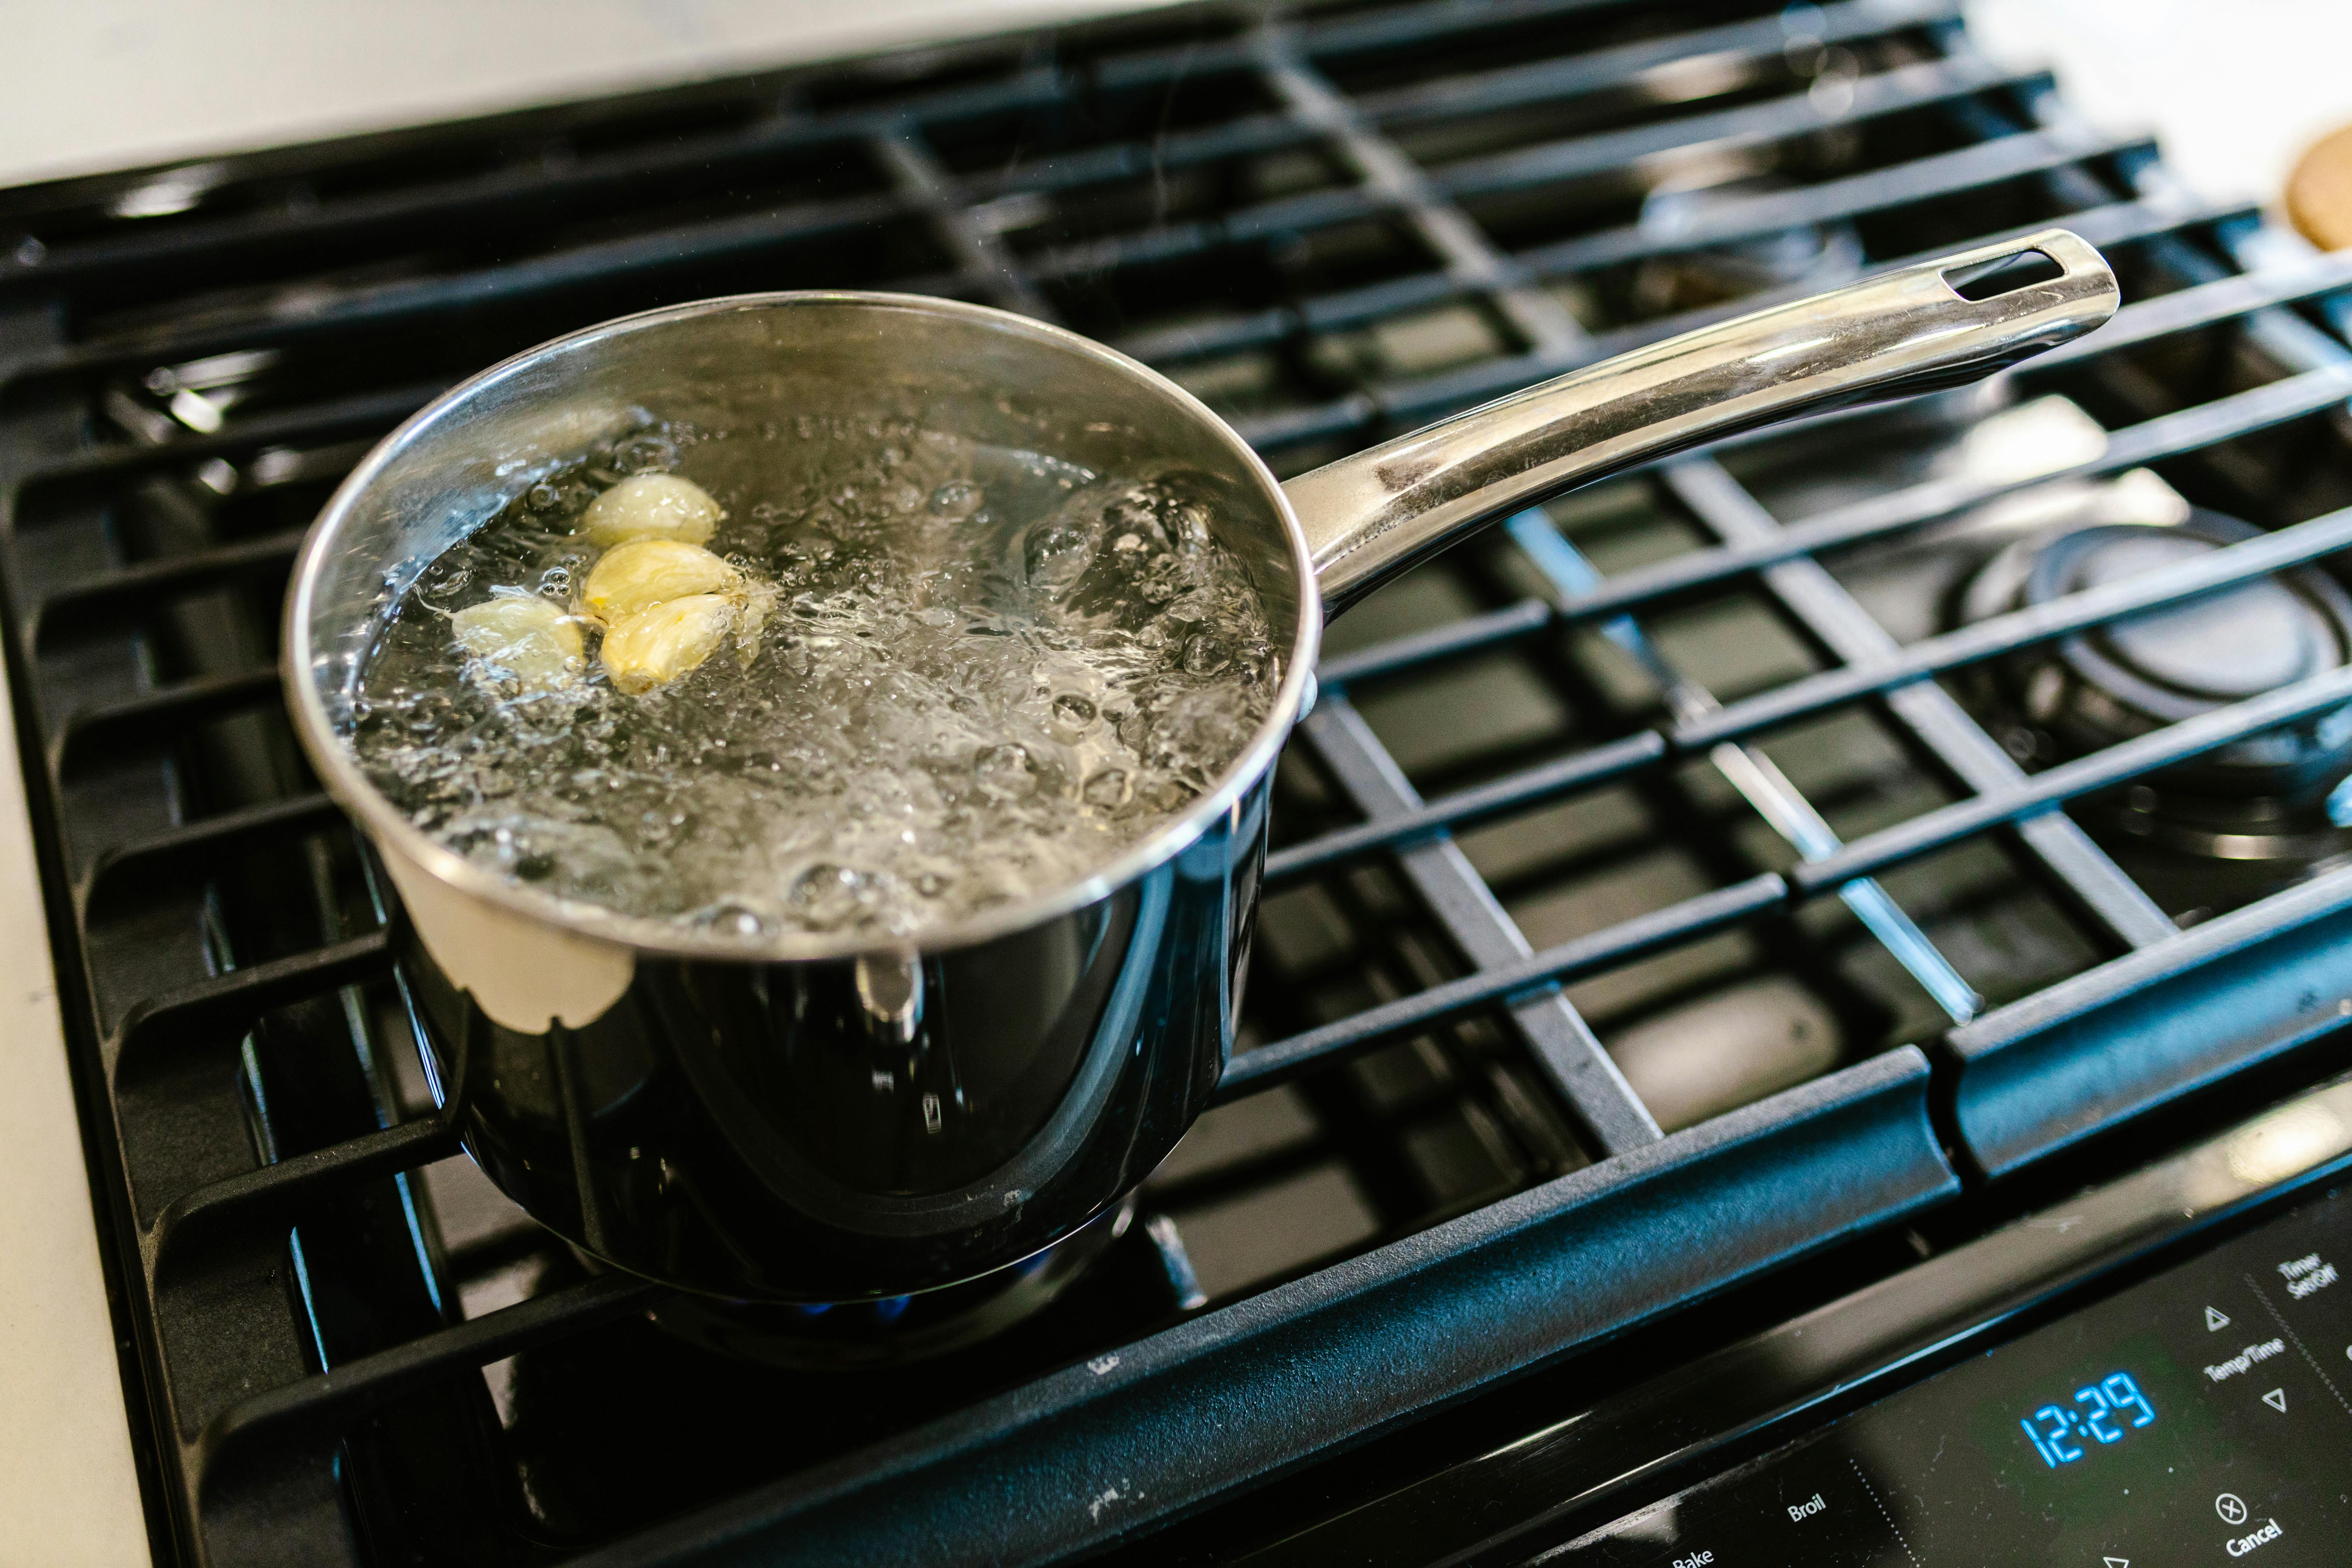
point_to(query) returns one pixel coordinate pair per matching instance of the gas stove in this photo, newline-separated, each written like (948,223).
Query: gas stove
(1758,892)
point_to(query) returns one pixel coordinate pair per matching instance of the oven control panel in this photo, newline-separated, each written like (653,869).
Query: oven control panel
(2203,1417)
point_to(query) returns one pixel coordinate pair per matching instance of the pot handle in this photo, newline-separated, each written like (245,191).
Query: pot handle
(1938,324)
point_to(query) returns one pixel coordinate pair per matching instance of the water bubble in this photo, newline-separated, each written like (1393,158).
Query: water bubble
(1201,655)
(957,498)
(1131,514)
(443,579)
(826,896)
(1006,772)
(1108,790)
(1057,553)
(730,919)
(1073,712)
(1166,578)
(645,454)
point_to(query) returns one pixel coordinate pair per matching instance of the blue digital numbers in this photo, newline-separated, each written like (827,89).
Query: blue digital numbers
(2124,1394)
(2048,1426)
(2104,1412)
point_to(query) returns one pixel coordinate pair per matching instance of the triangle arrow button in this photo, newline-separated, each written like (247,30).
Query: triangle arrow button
(2215,1319)
(2276,1400)
(2116,1562)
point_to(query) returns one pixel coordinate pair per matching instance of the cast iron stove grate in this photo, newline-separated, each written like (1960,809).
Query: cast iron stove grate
(1624,860)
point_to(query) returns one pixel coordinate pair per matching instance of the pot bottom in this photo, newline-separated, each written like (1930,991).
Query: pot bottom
(898,1329)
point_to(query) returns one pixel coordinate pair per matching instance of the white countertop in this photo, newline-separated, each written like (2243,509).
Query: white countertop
(68,1494)
(2235,88)
(90,85)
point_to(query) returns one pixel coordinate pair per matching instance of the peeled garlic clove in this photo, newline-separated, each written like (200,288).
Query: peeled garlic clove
(655,645)
(525,634)
(757,600)
(647,571)
(652,506)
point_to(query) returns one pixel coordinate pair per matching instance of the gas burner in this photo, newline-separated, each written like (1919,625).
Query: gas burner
(898,1329)
(2273,802)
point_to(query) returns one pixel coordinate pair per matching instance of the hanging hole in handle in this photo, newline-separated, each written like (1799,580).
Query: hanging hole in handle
(1982,280)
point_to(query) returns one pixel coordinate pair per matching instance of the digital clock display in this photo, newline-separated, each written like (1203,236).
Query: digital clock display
(2104,1412)
(2045,1447)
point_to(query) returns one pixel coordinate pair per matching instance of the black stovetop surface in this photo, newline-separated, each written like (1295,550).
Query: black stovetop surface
(1664,890)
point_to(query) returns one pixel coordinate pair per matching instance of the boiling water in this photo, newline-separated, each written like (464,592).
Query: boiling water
(985,673)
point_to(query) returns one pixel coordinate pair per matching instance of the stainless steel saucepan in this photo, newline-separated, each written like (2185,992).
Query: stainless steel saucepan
(838,1118)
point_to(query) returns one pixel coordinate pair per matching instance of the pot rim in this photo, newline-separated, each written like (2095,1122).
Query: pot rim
(330,755)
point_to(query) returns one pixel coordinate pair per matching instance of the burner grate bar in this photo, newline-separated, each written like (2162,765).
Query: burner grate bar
(979,252)
(236,235)
(2004,634)
(1370,30)
(2070,999)
(2205,305)
(1282,1060)
(278,1193)
(1251,135)
(1401,25)
(1382,168)
(1563,1048)
(1938,176)
(233,999)
(1601,764)
(308,315)
(2052,787)
(198,845)
(1472,634)
(367,414)
(130,589)
(1880,517)
(1634,66)
(1351,417)
(1889,92)
(1176,242)
(342,1393)
(149,720)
